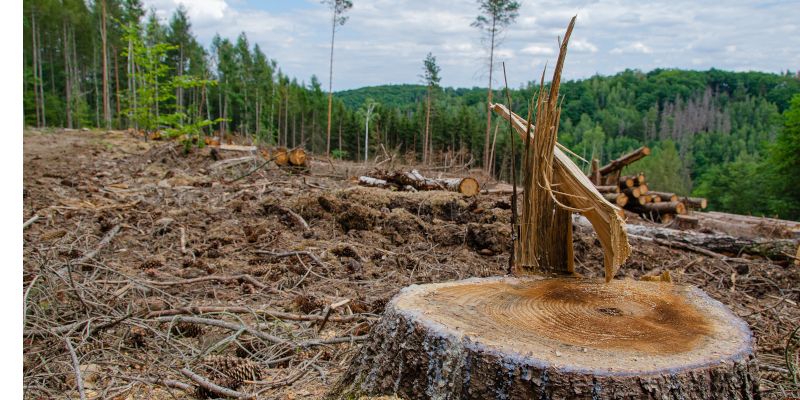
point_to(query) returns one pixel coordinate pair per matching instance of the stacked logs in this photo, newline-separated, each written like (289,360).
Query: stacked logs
(632,193)
(415,181)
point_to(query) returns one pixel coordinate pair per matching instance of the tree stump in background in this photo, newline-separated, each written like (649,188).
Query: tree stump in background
(536,338)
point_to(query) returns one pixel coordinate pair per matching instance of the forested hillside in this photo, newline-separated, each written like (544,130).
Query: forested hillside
(730,136)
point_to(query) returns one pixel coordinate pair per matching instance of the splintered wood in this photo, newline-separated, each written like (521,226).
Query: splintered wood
(554,187)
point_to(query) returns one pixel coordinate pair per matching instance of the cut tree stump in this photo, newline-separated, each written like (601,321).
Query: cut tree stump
(567,338)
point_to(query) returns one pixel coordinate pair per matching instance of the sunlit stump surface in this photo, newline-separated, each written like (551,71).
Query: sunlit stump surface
(535,338)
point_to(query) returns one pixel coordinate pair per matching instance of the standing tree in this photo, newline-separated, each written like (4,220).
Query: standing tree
(338,7)
(366,112)
(495,16)
(431,77)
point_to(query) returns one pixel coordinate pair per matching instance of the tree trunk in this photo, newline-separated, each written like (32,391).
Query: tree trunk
(330,85)
(116,84)
(486,144)
(427,128)
(627,159)
(67,76)
(36,81)
(509,338)
(780,250)
(104,39)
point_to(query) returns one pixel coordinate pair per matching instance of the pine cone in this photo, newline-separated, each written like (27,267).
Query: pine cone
(136,337)
(229,372)
(151,264)
(186,329)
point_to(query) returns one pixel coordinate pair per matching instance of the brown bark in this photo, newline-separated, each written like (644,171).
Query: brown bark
(454,340)
(627,159)
(670,207)
(467,186)
(608,189)
(780,250)
(697,203)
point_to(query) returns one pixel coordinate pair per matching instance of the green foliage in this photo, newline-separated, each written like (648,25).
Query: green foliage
(784,165)
(664,168)
(736,186)
(338,154)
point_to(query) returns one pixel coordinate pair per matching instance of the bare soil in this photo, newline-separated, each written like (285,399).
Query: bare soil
(190,236)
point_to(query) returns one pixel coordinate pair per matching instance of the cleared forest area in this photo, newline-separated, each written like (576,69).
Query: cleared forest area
(156,267)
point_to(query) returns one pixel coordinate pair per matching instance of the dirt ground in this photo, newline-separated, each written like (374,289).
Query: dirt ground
(146,261)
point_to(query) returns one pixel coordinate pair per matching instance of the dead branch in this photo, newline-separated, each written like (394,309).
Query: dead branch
(210,386)
(245,310)
(76,366)
(103,243)
(30,221)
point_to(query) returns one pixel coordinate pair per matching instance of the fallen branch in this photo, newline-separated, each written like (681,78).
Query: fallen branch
(30,221)
(261,335)
(76,366)
(245,310)
(103,243)
(212,387)
(310,255)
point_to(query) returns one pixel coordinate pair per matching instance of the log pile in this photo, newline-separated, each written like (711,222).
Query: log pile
(415,181)
(633,194)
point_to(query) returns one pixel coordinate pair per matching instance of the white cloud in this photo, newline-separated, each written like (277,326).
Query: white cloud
(538,50)
(635,47)
(386,40)
(582,46)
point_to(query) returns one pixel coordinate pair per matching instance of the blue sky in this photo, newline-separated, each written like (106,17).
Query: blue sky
(385,41)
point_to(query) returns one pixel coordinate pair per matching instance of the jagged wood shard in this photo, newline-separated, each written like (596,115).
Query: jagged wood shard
(582,194)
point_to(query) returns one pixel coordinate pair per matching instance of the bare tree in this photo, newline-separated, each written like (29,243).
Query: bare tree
(431,77)
(495,16)
(338,8)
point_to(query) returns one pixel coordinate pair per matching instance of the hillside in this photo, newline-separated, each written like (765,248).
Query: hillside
(704,126)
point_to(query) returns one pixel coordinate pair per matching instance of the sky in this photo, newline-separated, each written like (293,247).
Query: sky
(385,41)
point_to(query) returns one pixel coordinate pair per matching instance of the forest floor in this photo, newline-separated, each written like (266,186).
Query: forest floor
(131,234)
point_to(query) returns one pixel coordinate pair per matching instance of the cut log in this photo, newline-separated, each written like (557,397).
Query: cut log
(297,157)
(644,199)
(608,189)
(778,250)
(467,186)
(617,198)
(655,198)
(281,156)
(749,226)
(627,159)
(643,189)
(697,203)
(632,192)
(235,147)
(665,196)
(374,182)
(667,218)
(533,338)
(671,207)
(626,182)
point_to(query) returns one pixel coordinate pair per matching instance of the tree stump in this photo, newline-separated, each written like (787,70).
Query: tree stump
(563,338)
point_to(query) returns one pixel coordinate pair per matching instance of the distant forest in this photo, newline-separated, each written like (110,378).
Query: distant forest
(733,137)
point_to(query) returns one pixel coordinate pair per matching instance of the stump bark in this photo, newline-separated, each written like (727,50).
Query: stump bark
(566,338)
